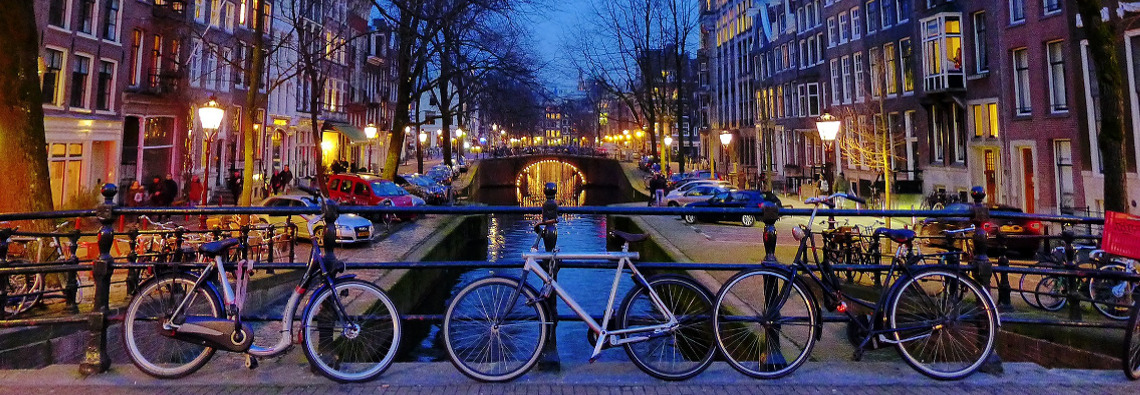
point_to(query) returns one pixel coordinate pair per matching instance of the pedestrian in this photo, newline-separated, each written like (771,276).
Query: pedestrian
(169,193)
(136,195)
(659,190)
(196,190)
(286,178)
(275,181)
(155,191)
(235,184)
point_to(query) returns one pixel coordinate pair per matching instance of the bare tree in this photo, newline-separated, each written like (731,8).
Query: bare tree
(22,137)
(869,142)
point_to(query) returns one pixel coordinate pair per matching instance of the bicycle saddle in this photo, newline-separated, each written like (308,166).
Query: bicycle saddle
(215,248)
(904,236)
(629,237)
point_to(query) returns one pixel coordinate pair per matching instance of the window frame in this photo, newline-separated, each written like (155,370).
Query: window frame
(1058,101)
(111,86)
(1022,86)
(85,99)
(981,39)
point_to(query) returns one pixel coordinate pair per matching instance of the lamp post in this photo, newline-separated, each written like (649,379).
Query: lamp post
(370,133)
(668,147)
(725,139)
(422,138)
(828,127)
(210,114)
(459,143)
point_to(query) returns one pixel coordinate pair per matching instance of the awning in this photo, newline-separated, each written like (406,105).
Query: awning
(349,131)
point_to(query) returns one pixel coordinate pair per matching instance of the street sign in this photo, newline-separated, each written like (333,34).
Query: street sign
(1121,231)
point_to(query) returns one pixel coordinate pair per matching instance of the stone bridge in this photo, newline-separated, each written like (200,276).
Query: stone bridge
(498,180)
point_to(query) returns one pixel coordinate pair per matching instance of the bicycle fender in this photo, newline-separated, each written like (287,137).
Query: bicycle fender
(337,279)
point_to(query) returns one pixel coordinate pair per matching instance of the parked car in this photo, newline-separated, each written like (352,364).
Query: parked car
(684,187)
(731,199)
(700,192)
(1022,247)
(646,162)
(369,190)
(350,228)
(425,187)
(441,174)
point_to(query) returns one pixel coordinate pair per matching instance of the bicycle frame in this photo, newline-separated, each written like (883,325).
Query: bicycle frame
(624,259)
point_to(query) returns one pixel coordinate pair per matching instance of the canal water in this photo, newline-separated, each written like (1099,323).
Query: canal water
(508,236)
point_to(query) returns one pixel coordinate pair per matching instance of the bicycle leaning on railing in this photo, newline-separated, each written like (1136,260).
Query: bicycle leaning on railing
(496,327)
(942,322)
(350,329)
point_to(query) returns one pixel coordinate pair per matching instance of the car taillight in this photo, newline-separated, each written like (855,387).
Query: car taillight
(1035,226)
(990,226)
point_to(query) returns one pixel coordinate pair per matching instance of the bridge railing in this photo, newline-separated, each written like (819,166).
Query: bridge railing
(101,262)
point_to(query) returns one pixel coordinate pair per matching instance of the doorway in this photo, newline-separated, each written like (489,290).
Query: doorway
(990,174)
(1027,179)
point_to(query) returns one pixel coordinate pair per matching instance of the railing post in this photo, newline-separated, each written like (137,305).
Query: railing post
(133,258)
(331,214)
(1071,283)
(268,241)
(292,240)
(243,241)
(982,265)
(96,359)
(5,233)
(72,288)
(1004,291)
(549,361)
(769,217)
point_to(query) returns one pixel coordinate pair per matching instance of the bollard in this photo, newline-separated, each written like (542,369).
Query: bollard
(95,358)
(71,303)
(769,217)
(982,265)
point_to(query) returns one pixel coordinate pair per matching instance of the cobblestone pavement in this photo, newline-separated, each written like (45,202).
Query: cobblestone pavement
(599,378)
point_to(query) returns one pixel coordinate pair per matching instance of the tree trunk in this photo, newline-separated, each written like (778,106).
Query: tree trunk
(1102,39)
(404,87)
(27,187)
(253,99)
(444,107)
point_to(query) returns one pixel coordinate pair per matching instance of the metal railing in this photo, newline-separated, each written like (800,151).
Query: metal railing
(102,266)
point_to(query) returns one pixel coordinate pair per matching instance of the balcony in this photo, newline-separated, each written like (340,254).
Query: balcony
(942,54)
(161,82)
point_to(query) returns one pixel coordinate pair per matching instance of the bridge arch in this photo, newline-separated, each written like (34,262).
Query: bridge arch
(498,180)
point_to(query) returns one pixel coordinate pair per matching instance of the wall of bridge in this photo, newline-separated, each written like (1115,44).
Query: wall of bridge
(606,183)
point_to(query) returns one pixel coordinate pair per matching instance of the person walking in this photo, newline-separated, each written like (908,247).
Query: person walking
(235,185)
(155,192)
(275,182)
(169,193)
(286,178)
(657,186)
(195,191)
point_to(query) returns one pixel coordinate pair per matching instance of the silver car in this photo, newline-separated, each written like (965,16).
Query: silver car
(350,228)
(696,193)
(685,187)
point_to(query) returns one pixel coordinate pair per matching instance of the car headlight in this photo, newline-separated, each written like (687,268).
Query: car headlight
(345,228)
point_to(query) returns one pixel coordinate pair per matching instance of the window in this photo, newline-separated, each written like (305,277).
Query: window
(215,13)
(848,82)
(1021,82)
(856,26)
(876,58)
(872,16)
(225,69)
(832,32)
(228,17)
(801,98)
(803,54)
(65,162)
(57,13)
(1058,99)
(1051,6)
(86,16)
(835,85)
(172,54)
(890,15)
(985,120)
(242,12)
(239,70)
(111,19)
(937,144)
(104,85)
(158,145)
(1063,162)
(813,99)
(79,74)
(942,53)
(136,57)
(1016,11)
(53,65)
(200,11)
(195,72)
(890,68)
(981,58)
(904,10)
(860,90)
(155,60)
(907,55)
(843,26)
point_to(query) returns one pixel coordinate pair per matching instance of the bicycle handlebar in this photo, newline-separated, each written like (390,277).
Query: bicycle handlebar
(959,231)
(830,200)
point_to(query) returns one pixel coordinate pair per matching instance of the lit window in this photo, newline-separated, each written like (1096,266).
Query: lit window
(942,53)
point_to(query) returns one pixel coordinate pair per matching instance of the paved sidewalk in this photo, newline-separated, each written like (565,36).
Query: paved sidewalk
(275,377)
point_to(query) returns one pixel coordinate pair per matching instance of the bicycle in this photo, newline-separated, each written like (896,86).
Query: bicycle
(495,327)
(27,290)
(942,323)
(350,329)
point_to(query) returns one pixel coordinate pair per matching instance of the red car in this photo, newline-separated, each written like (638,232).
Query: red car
(369,190)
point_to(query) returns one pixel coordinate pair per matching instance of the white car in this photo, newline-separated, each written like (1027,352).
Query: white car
(691,184)
(696,193)
(350,228)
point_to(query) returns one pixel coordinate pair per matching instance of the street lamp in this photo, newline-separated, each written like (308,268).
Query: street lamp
(668,147)
(210,114)
(828,127)
(725,139)
(370,133)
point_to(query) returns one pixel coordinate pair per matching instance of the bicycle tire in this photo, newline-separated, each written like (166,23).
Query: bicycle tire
(31,286)
(1113,298)
(959,309)
(1050,294)
(469,329)
(1131,357)
(677,354)
(142,329)
(1028,284)
(761,332)
(355,348)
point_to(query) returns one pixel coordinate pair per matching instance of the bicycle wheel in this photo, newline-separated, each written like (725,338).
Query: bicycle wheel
(945,324)
(358,345)
(30,286)
(148,344)
(489,340)
(1131,359)
(676,354)
(766,323)
(1112,298)
(1049,294)
(1028,285)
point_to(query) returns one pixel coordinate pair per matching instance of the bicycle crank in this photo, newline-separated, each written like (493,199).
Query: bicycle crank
(213,332)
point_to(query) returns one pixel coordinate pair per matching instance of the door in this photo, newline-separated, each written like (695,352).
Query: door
(990,176)
(1027,179)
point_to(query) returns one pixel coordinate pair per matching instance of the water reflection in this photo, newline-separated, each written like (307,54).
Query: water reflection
(532,179)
